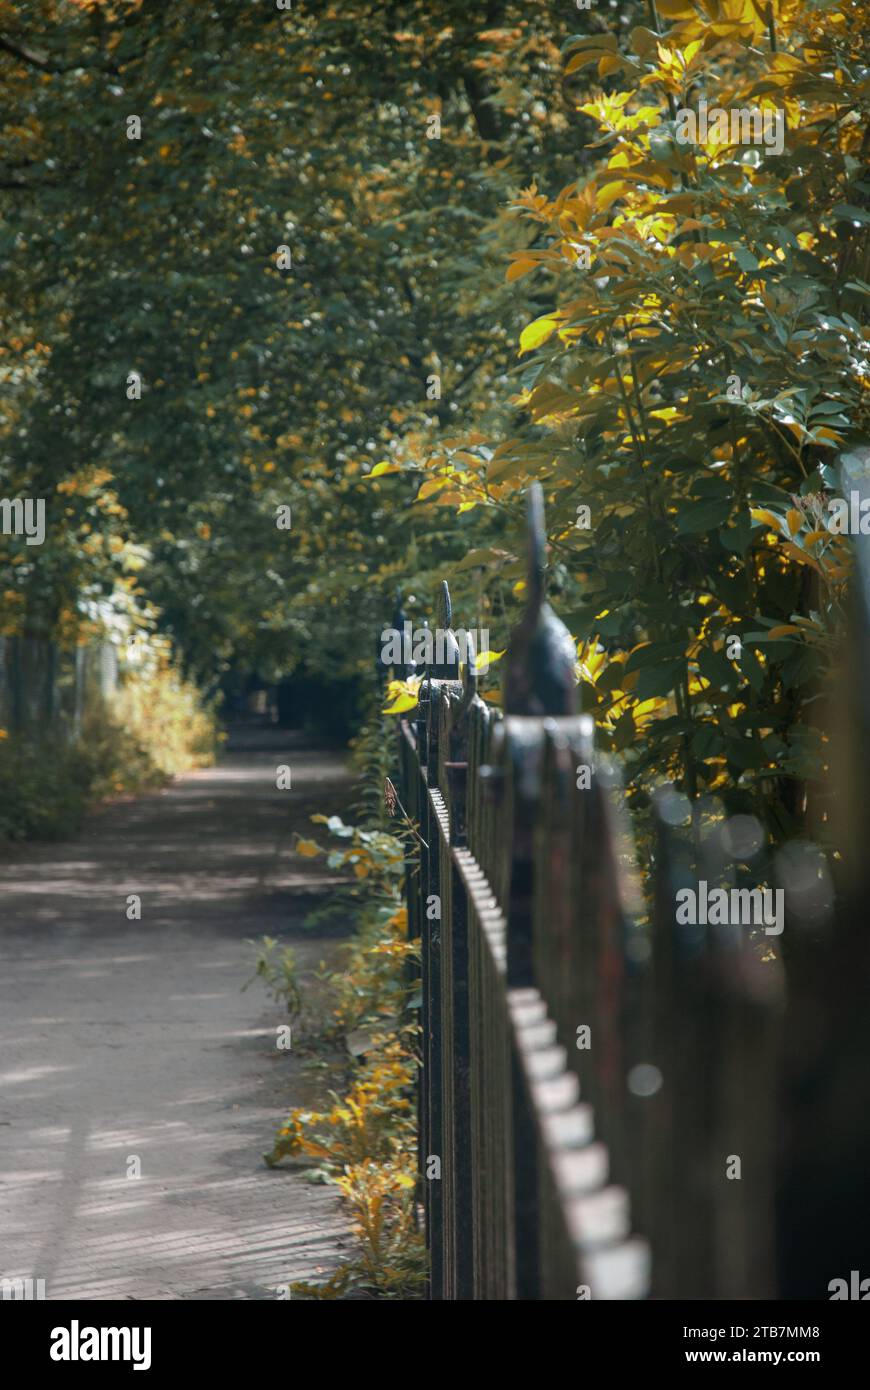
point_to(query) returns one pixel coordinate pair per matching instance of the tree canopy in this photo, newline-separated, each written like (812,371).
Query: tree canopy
(385,264)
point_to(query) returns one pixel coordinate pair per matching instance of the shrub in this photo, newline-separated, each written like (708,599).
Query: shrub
(366,1141)
(156,726)
(43,788)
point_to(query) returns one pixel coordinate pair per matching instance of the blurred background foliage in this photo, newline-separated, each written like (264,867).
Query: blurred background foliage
(459,258)
(153,725)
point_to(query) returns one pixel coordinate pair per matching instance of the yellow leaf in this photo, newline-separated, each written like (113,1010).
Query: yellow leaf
(431,485)
(795,519)
(784,630)
(611,62)
(411,686)
(307,848)
(801,556)
(579,61)
(762,514)
(484,659)
(538,332)
(610,192)
(521,266)
(401,704)
(385,467)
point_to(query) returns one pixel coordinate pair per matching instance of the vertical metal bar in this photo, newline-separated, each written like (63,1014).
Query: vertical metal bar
(461,1090)
(433,1055)
(525,1168)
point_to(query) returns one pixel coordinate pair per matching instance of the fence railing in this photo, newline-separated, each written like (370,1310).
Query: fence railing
(605,1108)
(47,687)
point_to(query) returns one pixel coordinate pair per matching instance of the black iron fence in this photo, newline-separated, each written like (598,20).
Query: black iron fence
(616,1103)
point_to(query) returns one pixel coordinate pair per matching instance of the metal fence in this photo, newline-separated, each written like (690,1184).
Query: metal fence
(47,687)
(614,1105)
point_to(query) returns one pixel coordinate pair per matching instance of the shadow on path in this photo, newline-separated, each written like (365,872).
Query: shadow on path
(124,1040)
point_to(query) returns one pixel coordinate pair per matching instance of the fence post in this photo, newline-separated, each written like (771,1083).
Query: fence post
(539,681)
(498,1105)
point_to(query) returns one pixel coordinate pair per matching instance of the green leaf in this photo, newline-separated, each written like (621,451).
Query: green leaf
(847,212)
(659,680)
(704,515)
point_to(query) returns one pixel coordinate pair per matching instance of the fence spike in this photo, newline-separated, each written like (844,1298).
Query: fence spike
(399,614)
(469,674)
(399,619)
(445,641)
(539,676)
(444,607)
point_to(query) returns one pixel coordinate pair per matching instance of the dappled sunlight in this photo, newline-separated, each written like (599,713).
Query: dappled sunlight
(435,648)
(155,1061)
(27,1074)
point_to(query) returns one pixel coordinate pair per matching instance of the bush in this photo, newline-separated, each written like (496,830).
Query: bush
(365,1141)
(155,727)
(43,788)
(166,716)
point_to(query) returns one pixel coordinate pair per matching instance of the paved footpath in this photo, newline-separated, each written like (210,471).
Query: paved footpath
(123,1040)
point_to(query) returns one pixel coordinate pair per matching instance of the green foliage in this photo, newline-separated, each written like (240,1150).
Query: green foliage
(173,726)
(699,387)
(154,727)
(261,387)
(455,257)
(275,965)
(43,788)
(365,1142)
